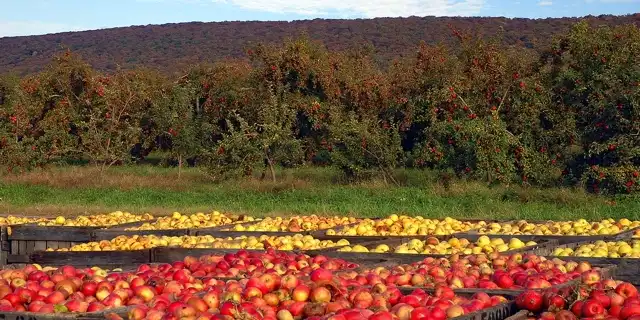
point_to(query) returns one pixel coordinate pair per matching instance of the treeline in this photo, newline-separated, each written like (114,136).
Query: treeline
(478,110)
(172,47)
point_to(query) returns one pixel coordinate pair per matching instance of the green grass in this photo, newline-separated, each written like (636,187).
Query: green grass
(157,190)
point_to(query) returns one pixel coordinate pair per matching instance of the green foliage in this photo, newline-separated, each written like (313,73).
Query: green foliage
(235,154)
(595,79)
(362,144)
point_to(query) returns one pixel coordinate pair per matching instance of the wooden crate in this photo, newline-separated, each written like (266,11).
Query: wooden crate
(628,269)
(497,312)
(26,239)
(5,247)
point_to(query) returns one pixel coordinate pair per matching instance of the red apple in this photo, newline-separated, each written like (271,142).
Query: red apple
(627,290)
(301,293)
(95,307)
(145,292)
(530,300)
(592,308)
(77,306)
(55,297)
(137,313)
(320,295)
(455,311)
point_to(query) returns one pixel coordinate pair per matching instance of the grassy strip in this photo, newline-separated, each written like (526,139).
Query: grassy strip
(299,191)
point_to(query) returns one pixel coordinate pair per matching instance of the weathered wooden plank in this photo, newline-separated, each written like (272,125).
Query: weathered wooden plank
(22,247)
(90,257)
(31,232)
(14,247)
(40,246)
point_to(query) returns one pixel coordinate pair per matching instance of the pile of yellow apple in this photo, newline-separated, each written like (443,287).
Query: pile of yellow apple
(395,225)
(580,227)
(603,249)
(137,242)
(196,220)
(120,243)
(98,220)
(295,224)
(432,245)
(13,220)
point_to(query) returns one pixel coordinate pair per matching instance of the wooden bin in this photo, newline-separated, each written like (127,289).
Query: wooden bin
(628,269)
(498,312)
(26,239)
(5,246)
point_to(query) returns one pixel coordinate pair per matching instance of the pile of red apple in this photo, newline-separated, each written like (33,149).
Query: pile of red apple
(88,290)
(243,264)
(478,271)
(606,299)
(285,286)
(272,297)
(172,291)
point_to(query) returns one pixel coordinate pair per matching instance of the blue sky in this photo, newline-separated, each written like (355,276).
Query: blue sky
(28,17)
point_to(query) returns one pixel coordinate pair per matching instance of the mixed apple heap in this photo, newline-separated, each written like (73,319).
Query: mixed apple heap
(13,220)
(277,285)
(95,220)
(395,225)
(454,245)
(295,224)
(98,220)
(197,220)
(580,227)
(602,249)
(493,271)
(135,242)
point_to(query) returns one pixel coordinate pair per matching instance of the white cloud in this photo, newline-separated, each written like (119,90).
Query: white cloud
(364,8)
(25,28)
(545,3)
(614,1)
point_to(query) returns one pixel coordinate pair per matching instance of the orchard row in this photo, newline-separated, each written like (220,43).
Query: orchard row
(479,110)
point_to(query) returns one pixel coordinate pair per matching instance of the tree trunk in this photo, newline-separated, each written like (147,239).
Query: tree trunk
(179,166)
(272,170)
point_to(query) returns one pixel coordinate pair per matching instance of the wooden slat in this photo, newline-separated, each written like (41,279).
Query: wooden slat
(17,258)
(94,258)
(30,232)
(30,246)
(22,247)
(15,247)
(65,244)
(52,244)
(40,246)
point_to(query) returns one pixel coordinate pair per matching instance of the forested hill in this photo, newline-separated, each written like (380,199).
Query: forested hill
(169,47)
